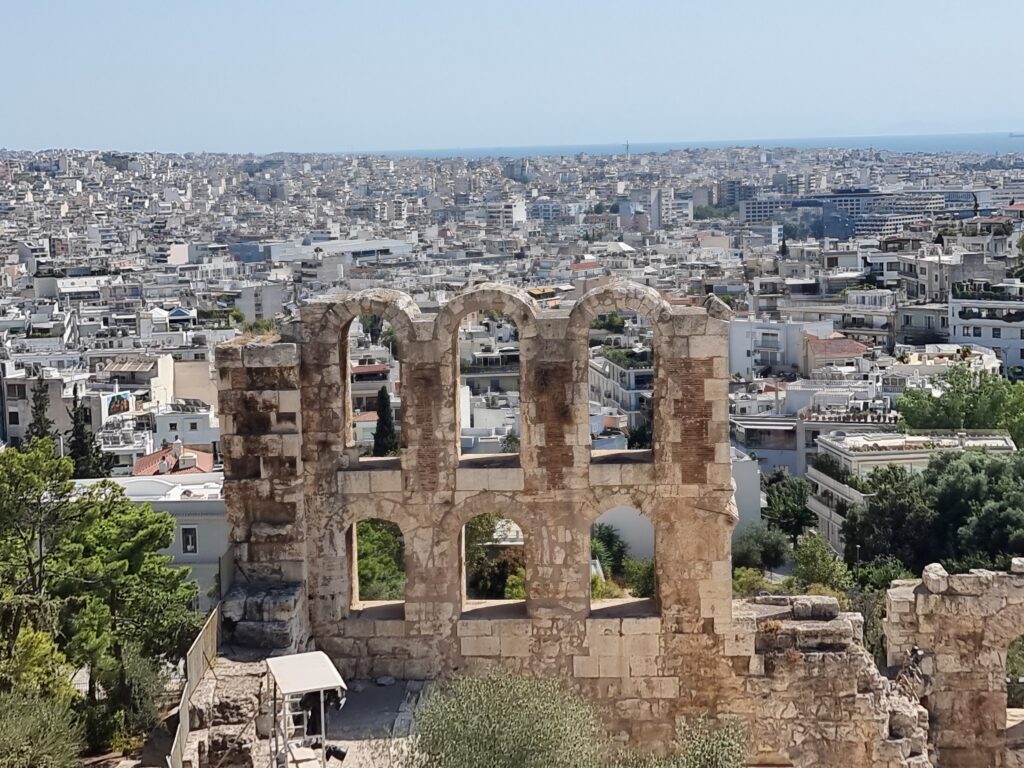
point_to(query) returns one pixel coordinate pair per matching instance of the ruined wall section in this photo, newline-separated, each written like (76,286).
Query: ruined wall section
(964,624)
(261,437)
(647,664)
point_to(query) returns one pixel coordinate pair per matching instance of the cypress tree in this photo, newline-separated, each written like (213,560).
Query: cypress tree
(385,438)
(90,461)
(41,425)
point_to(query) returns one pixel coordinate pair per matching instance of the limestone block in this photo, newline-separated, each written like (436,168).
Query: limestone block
(389,627)
(605,474)
(511,627)
(280,355)
(480,646)
(386,481)
(505,479)
(643,666)
(611,666)
(471,479)
(585,666)
(815,607)
(821,635)
(935,578)
(352,482)
(1017,565)
(644,626)
(515,646)
(605,645)
(473,628)
(641,645)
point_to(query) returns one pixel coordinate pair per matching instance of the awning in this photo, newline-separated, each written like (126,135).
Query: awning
(304,672)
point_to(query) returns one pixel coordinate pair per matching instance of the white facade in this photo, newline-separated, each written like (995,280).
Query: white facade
(758,344)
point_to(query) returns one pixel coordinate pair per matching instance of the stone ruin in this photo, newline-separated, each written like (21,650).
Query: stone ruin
(792,668)
(962,625)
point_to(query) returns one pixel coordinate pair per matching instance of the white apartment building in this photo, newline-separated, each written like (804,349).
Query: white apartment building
(506,214)
(756,345)
(858,454)
(991,314)
(623,385)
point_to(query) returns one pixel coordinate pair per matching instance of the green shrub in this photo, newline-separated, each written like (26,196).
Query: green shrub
(381,560)
(640,577)
(760,547)
(747,582)
(603,589)
(506,721)
(38,733)
(613,547)
(515,585)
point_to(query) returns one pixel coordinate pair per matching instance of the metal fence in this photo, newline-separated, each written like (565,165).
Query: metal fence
(200,657)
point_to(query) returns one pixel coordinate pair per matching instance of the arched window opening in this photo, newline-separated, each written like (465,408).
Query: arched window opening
(374,387)
(488,359)
(621,384)
(494,566)
(622,575)
(377,551)
(1015,702)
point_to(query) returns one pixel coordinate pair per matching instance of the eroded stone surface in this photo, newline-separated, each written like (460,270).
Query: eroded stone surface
(295,488)
(962,624)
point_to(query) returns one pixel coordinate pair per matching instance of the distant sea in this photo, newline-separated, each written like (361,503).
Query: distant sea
(973,143)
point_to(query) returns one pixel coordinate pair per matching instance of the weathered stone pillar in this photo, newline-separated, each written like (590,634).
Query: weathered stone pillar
(261,428)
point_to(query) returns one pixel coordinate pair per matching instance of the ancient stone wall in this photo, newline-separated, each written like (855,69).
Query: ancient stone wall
(296,487)
(963,625)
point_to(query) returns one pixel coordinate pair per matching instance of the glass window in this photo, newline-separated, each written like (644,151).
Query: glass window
(13,418)
(189,540)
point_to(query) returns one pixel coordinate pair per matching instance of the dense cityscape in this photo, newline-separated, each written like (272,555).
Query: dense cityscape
(555,385)
(874,342)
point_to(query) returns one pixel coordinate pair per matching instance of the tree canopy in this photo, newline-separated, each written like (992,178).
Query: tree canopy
(787,503)
(85,587)
(89,459)
(965,510)
(967,400)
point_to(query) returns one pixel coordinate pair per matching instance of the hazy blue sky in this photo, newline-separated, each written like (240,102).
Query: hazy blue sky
(221,75)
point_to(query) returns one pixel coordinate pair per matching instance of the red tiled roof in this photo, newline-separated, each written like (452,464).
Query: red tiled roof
(841,347)
(150,464)
(368,416)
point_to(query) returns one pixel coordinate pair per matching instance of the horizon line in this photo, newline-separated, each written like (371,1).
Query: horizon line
(694,144)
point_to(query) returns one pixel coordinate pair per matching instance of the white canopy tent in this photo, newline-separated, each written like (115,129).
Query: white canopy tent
(299,735)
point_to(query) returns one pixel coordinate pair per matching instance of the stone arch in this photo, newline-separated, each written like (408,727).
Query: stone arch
(326,325)
(397,307)
(504,507)
(639,502)
(515,303)
(387,513)
(618,296)
(523,311)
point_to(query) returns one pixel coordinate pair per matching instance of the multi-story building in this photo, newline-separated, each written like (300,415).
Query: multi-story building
(991,314)
(836,483)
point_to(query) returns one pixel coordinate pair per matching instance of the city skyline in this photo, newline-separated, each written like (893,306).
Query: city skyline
(261,79)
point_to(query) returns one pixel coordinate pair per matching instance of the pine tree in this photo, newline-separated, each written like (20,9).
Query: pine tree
(784,248)
(90,461)
(385,439)
(41,425)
